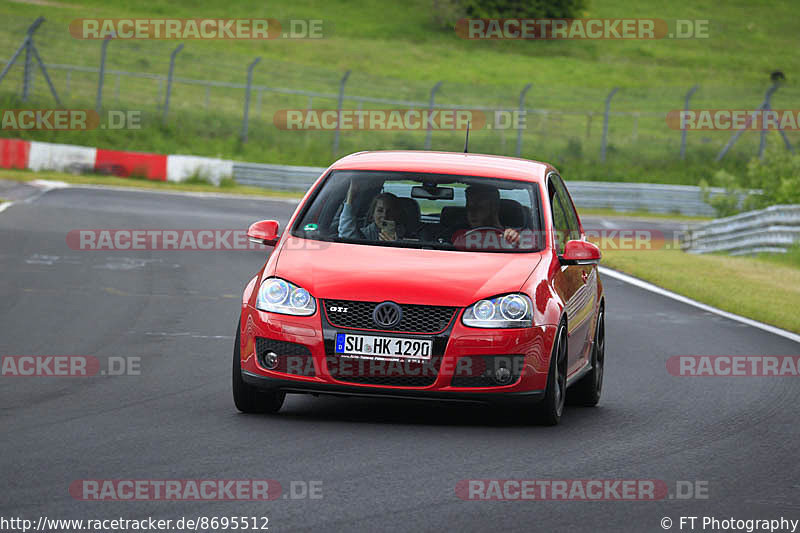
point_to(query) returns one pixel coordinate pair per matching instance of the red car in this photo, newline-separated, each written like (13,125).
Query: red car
(426,275)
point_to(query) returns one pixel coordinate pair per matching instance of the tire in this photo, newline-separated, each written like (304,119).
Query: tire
(587,391)
(249,399)
(548,412)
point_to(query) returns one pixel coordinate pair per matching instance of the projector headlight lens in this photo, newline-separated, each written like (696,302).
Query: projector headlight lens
(507,311)
(279,296)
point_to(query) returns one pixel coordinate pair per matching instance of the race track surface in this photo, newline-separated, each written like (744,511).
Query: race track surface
(385,465)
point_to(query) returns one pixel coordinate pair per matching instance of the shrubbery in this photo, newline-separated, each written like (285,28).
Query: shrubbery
(530,9)
(777,176)
(447,12)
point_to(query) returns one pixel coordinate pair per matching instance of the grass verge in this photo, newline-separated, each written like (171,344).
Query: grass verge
(766,289)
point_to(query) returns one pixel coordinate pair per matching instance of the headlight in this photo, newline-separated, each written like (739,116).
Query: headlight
(279,296)
(509,311)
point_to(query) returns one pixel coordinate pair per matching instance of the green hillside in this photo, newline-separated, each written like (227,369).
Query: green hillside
(396,51)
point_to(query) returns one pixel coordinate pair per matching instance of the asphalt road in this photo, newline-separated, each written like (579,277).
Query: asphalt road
(385,465)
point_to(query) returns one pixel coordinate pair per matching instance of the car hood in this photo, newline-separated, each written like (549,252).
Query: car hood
(375,273)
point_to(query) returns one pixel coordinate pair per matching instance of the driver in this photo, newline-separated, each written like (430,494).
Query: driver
(483,211)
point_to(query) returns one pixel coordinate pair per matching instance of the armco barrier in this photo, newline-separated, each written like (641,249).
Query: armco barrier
(14,153)
(683,199)
(281,177)
(773,229)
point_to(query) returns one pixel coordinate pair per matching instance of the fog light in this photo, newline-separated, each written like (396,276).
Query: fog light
(271,360)
(502,375)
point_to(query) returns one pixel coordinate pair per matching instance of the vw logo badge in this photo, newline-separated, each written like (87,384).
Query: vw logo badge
(387,314)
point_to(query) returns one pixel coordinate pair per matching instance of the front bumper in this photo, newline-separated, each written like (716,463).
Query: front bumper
(458,343)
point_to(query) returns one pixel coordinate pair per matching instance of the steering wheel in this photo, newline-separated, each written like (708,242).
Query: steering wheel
(484,228)
(465,240)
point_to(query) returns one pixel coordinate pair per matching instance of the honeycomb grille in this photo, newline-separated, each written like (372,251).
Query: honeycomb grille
(416,318)
(398,374)
(479,370)
(293,358)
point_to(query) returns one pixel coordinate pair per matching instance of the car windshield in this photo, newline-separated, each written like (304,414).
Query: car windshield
(417,210)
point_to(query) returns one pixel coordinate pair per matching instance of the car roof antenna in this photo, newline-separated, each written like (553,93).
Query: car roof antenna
(466,142)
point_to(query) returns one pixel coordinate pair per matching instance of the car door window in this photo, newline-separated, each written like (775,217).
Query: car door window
(569,210)
(560,220)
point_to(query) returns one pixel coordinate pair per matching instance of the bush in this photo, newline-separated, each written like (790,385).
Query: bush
(777,176)
(729,202)
(564,9)
(447,12)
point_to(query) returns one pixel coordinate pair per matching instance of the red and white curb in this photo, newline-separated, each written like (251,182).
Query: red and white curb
(34,155)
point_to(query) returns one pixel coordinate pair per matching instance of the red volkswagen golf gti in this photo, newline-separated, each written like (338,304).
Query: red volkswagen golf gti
(426,275)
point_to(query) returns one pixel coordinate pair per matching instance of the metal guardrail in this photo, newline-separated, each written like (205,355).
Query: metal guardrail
(773,229)
(281,177)
(683,199)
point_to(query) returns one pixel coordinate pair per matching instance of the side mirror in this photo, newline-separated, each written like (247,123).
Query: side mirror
(580,253)
(264,232)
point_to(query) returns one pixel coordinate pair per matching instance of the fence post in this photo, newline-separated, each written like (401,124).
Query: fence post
(26,44)
(430,110)
(247,98)
(169,79)
(762,143)
(686,108)
(339,112)
(747,123)
(521,113)
(103,49)
(605,123)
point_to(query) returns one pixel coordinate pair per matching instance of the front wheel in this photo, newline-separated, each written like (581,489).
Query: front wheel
(247,398)
(550,409)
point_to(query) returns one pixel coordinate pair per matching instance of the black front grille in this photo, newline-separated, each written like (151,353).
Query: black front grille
(377,372)
(479,370)
(293,358)
(416,318)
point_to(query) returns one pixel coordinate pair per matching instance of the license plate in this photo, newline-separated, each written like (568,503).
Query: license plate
(383,346)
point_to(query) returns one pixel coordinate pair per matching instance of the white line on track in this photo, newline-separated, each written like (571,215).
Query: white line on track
(683,299)
(5,205)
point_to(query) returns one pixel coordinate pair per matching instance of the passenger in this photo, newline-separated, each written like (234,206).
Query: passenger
(382,218)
